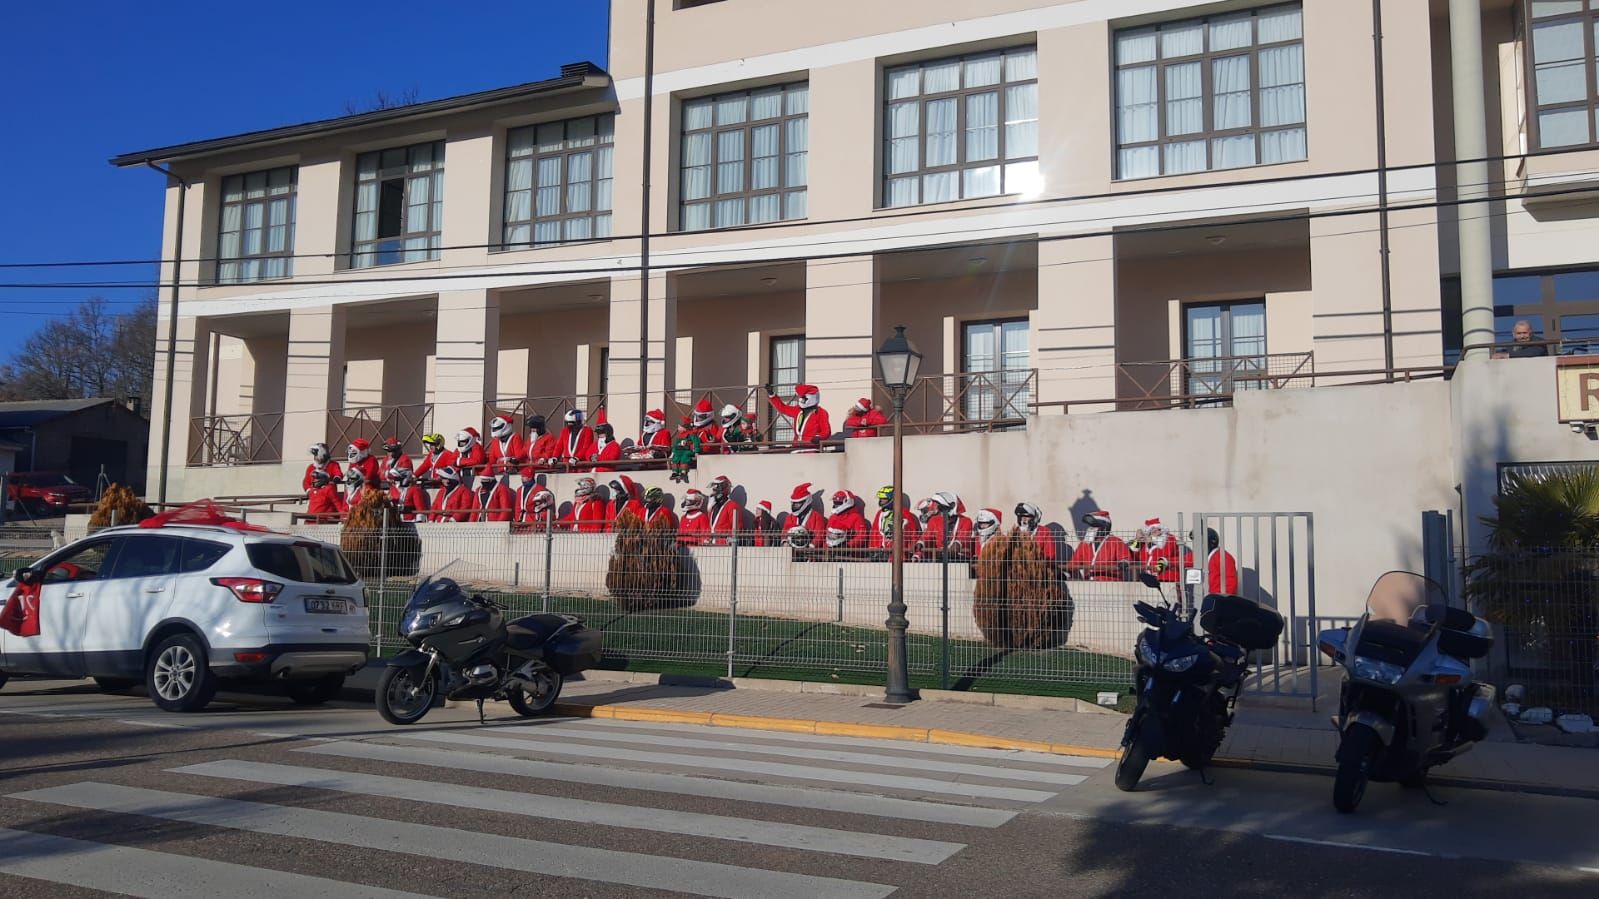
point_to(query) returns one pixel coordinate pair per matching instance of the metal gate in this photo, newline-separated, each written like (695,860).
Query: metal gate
(1273,557)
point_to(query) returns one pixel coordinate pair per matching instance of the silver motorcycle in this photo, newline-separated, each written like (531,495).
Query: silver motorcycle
(1408,702)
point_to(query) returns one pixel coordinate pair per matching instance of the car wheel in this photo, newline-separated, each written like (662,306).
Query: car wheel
(115,684)
(316,692)
(529,705)
(177,675)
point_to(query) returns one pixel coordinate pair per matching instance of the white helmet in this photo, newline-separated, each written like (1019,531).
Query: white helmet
(450,474)
(1028,517)
(584,488)
(836,537)
(721,486)
(319,453)
(693,501)
(926,509)
(654,420)
(500,427)
(574,416)
(543,501)
(463,439)
(731,415)
(799,536)
(987,522)
(843,501)
(947,502)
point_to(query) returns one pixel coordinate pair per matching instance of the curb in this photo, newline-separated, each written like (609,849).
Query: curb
(826,728)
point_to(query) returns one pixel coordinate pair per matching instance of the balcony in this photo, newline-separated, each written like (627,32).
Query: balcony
(235,440)
(409,424)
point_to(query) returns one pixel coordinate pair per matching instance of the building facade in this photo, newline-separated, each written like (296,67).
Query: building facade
(1072,207)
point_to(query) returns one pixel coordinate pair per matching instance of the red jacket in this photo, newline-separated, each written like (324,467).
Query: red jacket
(458,503)
(1051,540)
(326,501)
(413,502)
(963,536)
(814,522)
(660,513)
(930,538)
(573,447)
(656,444)
(504,455)
(1101,562)
(694,529)
(586,516)
(711,439)
(542,450)
(472,461)
(882,523)
(428,462)
(615,508)
(498,505)
(333,471)
(853,524)
(811,426)
(397,461)
(863,424)
(726,520)
(610,452)
(1221,572)
(369,467)
(1166,562)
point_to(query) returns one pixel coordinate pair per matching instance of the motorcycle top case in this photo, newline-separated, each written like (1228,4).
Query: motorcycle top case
(1242,621)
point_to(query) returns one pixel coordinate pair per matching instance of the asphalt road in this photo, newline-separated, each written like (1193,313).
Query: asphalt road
(103,793)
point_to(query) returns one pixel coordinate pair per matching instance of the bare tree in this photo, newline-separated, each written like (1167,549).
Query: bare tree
(90,353)
(382,100)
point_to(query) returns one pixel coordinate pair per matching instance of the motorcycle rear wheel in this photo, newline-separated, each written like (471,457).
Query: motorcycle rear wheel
(402,698)
(1356,753)
(1130,766)
(532,706)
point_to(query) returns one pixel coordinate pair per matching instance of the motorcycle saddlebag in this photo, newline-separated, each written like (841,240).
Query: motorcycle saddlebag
(1242,621)
(579,649)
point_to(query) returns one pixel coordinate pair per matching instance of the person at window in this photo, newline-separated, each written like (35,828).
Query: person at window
(810,421)
(738,432)
(695,527)
(846,517)
(658,508)
(506,448)
(433,456)
(324,499)
(321,461)
(1102,556)
(655,441)
(606,449)
(883,523)
(726,514)
(1521,343)
(863,419)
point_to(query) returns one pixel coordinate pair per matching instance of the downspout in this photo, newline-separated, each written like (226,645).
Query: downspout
(1475,236)
(172,335)
(1382,193)
(644,216)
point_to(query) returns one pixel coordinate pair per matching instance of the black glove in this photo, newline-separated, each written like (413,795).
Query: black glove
(770,391)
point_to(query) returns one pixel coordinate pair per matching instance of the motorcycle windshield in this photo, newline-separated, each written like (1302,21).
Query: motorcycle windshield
(427,598)
(1398,595)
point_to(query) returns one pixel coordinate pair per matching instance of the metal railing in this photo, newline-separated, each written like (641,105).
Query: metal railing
(235,439)
(963,402)
(1209,381)
(553,408)
(376,423)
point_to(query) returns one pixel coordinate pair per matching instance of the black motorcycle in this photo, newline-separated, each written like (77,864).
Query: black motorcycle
(465,650)
(1188,684)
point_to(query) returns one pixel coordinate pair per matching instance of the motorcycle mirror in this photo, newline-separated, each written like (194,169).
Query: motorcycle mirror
(1149,579)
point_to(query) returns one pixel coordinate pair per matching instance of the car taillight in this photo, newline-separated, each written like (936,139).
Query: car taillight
(250,589)
(249,658)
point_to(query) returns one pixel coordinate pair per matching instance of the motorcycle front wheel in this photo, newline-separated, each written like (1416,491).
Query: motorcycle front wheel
(1130,766)
(404,695)
(1357,751)
(531,705)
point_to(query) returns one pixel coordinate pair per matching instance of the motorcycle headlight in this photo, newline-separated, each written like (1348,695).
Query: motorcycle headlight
(1379,672)
(417,621)
(1145,649)
(1182,663)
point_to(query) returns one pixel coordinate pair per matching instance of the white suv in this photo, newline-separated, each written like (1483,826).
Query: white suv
(184,607)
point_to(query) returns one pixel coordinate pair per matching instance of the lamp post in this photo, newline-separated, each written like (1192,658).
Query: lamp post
(897,364)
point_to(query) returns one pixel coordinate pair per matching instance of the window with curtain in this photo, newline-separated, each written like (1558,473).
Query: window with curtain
(745,157)
(399,205)
(1218,92)
(255,234)
(558,181)
(1225,345)
(1562,77)
(961,127)
(785,368)
(996,362)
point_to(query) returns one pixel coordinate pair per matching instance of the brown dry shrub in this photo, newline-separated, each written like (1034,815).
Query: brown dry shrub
(1019,600)
(377,541)
(631,579)
(119,505)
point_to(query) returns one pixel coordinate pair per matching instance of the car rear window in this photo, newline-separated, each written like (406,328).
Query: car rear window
(198,555)
(308,563)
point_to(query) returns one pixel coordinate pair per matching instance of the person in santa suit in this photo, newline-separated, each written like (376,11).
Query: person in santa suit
(606,449)
(950,530)
(766,532)
(434,455)
(355,485)
(883,523)
(811,425)
(358,457)
(322,462)
(844,516)
(863,419)
(929,530)
(1051,538)
(986,524)
(543,448)
(695,527)
(624,498)
(1164,554)
(453,501)
(575,442)
(494,499)
(538,510)
(527,482)
(1221,569)
(654,441)
(1102,556)
(325,499)
(587,512)
(394,455)
(800,537)
(507,449)
(703,424)
(727,516)
(470,457)
(407,495)
(738,432)
(656,508)
(805,512)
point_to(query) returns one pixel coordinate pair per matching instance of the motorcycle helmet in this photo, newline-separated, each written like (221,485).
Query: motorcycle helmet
(574,418)
(987,522)
(1028,517)
(703,415)
(693,501)
(319,453)
(463,439)
(500,427)
(320,479)
(885,497)
(449,474)
(1098,520)
(654,420)
(721,487)
(843,501)
(926,509)
(433,442)
(543,501)
(584,488)
(947,502)
(404,477)
(799,537)
(731,415)
(836,537)
(354,478)
(654,497)
(535,423)
(393,446)
(358,450)
(800,500)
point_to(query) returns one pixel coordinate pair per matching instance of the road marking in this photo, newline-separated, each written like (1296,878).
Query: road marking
(745,766)
(1285,838)
(811,754)
(743,830)
(998,755)
(164,725)
(159,875)
(431,842)
(678,784)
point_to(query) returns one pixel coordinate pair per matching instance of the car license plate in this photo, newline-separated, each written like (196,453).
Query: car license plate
(319,604)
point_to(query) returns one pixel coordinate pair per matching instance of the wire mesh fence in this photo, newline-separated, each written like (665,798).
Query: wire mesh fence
(1546,606)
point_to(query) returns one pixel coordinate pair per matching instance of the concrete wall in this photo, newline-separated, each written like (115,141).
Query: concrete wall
(934,310)
(550,339)
(719,329)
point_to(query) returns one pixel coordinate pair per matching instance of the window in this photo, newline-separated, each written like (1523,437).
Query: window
(995,352)
(605,372)
(1215,93)
(1225,345)
(399,205)
(310,563)
(745,157)
(558,181)
(960,128)
(147,556)
(255,238)
(785,368)
(1561,69)
(85,563)
(198,555)
(1562,305)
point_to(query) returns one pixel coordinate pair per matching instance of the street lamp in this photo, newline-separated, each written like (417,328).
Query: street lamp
(897,365)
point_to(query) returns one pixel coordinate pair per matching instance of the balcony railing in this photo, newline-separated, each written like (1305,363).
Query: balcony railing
(965,401)
(1212,381)
(554,409)
(235,439)
(409,424)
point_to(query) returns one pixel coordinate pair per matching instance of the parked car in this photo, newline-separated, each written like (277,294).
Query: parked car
(45,493)
(185,608)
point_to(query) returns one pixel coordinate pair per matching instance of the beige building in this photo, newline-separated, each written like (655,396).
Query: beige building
(1073,206)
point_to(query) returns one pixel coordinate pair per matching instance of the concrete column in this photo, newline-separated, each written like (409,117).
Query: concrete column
(314,377)
(1073,333)
(190,374)
(467,354)
(841,308)
(1471,178)
(636,363)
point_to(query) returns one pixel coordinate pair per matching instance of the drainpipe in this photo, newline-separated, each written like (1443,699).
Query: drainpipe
(644,218)
(1382,193)
(172,335)
(1475,237)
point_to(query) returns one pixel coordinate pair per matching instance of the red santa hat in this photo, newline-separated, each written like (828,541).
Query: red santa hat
(361,444)
(629,486)
(474,433)
(765,504)
(807,394)
(655,416)
(803,491)
(1152,522)
(703,407)
(863,405)
(500,425)
(599,416)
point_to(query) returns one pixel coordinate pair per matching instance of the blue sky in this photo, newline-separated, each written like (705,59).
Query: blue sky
(82,82)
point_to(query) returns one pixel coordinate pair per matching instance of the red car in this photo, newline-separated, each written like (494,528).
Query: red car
(48,493)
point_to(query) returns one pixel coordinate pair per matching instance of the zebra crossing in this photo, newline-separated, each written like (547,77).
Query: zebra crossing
(842,803)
